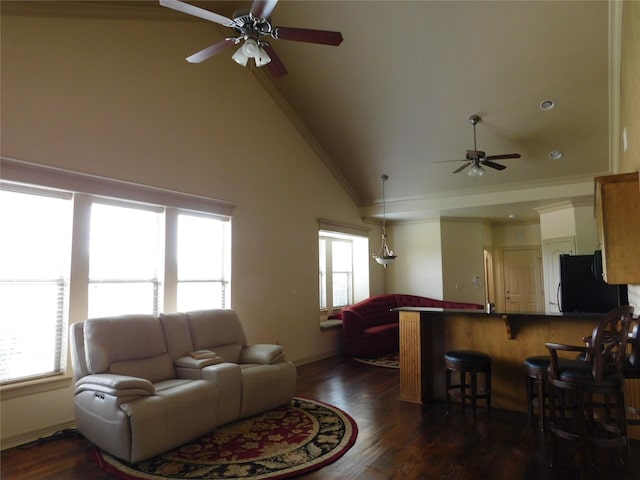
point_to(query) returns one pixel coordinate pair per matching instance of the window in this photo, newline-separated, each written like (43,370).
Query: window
(135,249)
(125,243)
(34,279)
(336,272)
(343,267)
(203,262)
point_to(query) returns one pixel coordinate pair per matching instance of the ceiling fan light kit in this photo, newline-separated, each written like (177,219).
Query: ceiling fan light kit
(251,26)
(251,49)
(477,158)
(385,255)
(475,171)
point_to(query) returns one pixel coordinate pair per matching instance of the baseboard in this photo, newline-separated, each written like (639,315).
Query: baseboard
(28,437)
(315,358)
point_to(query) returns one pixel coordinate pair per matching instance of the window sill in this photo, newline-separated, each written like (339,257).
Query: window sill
(330,324)
(30,387)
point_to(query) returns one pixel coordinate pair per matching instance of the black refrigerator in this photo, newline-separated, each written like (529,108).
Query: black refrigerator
(582,290)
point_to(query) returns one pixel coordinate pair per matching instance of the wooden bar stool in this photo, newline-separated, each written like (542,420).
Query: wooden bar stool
(598,420)
(537,372)
(471,362)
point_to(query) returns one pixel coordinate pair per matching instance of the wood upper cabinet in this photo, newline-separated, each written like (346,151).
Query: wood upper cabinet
(618,218)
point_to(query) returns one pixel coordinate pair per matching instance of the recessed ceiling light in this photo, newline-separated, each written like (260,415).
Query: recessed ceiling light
(555,155)
(547,104)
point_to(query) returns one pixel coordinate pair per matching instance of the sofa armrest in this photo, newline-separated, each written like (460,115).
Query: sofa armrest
(115,385)
(189,362)
(353,324)
(262,353)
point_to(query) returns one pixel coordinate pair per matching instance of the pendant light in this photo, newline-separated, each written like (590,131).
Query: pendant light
(384,256)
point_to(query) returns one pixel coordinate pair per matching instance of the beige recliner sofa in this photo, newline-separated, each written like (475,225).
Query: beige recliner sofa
(140,391)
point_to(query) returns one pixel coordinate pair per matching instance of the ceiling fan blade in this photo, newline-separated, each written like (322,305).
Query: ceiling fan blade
(263,8)
(503,157)
(197,12)
(275,66)
(306,35)
(209,52)
(489,163)
(447,161)
(461,168)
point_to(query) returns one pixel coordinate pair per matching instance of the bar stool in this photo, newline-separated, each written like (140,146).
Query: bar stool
(471,362)
(598,420)
(631,371)
(536,369)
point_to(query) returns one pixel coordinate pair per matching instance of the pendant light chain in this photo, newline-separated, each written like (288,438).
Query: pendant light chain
(385,256)
(384,205)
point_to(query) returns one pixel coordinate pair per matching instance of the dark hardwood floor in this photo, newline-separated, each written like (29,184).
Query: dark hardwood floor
(396,440)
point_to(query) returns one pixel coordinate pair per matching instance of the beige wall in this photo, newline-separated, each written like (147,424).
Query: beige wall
(116,98)
(567,220)
(629,91)
(462,260)
(516,235)
(418,268)
(586,229)
(436,256)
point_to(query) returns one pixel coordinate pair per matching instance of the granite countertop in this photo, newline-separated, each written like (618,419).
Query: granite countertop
(510,314)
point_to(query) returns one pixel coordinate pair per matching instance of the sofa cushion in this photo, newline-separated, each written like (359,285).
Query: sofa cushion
(153,369)
(177,334)
(131,345)
(218,330)
(382,329)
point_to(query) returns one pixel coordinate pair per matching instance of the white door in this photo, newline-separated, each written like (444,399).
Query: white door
(523,280)
(551,251)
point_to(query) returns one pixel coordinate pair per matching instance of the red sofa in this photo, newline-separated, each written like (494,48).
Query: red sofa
(370,329)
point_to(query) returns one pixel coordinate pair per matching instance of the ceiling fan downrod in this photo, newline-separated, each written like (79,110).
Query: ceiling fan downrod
(474,119)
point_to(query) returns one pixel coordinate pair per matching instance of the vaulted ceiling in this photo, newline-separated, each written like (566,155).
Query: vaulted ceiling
(396,96)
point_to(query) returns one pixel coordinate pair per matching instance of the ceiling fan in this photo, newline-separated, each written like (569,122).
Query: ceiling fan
(251,26)
(475,158)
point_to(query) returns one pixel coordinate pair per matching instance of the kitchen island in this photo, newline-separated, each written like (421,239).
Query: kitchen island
(427,333)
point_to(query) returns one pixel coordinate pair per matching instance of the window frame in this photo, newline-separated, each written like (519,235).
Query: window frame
(329,271)
(224,280)
(359,236)
(60,282)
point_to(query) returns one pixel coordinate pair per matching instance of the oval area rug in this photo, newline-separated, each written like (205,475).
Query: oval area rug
(282,443)
(392,360)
